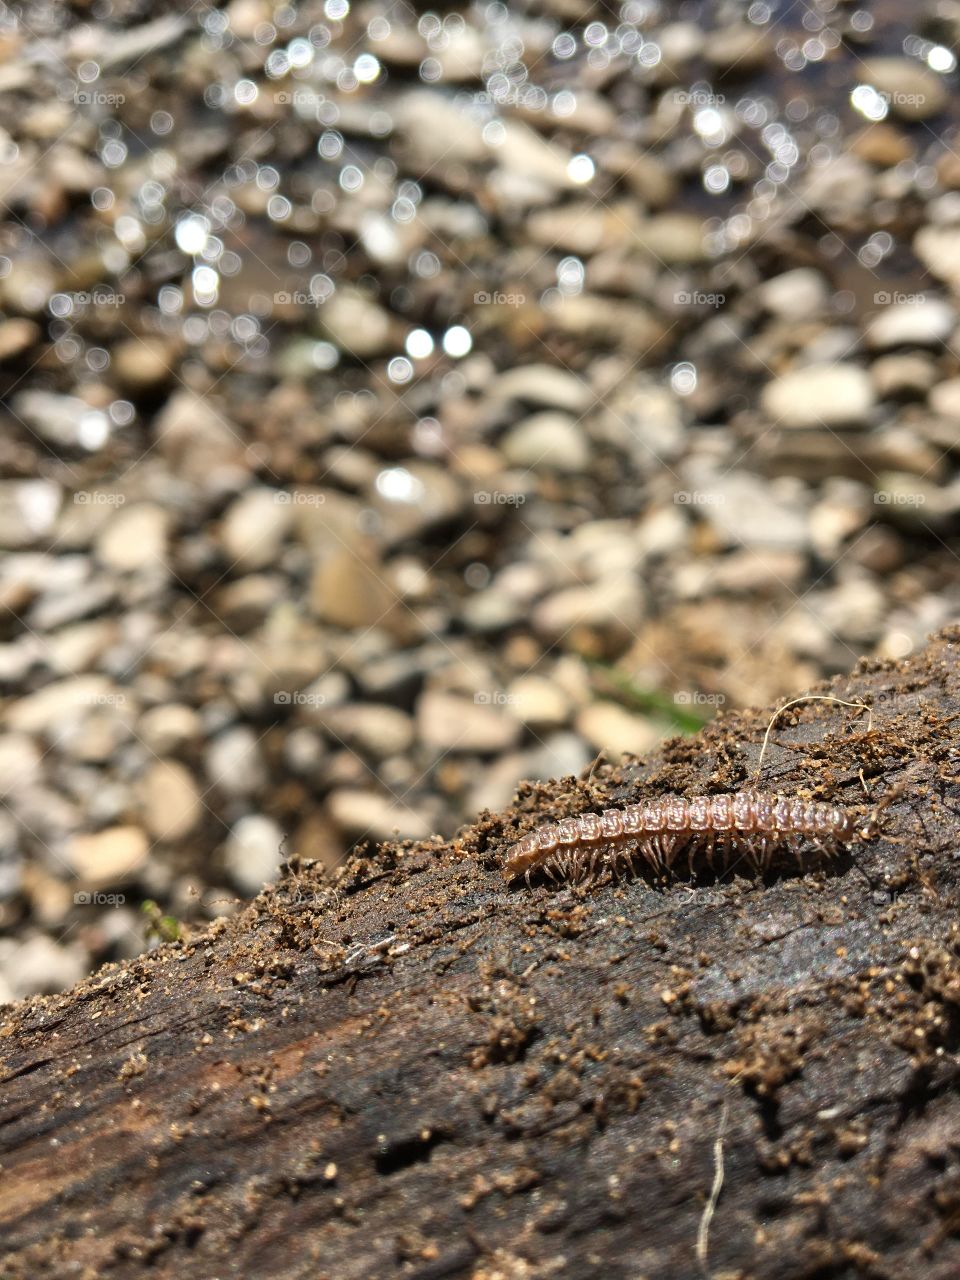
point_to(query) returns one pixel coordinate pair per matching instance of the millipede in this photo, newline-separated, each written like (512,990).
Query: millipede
(754,825)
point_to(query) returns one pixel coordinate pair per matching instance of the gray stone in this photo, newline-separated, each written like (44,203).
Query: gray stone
(945,398)
(28,511)
(496,786)
(437,131)
(752,512)
(458,722)
(98,736)
(39,966)
(357,324)
(676,239)
(852,610)
(740,47)
(109,857)
(59,607)
(252,852)
(74,649)
(913,91)
(795,295)
(415,497)
(65,421)
(547,441)
(61,702)
(17,658)
(20,765)
(169,727)
(135,539)
(350,589)
(366,814)
(546,385)
(612,729)
(255,527)
(537,701)
(907,375)
(938,248)
(16,336)
(374,729)
(304,751)
(613,607)
(492,610)
(234,763)
(830,395)
(142,363)
(199,443)
(532,158)
(926,321)
(171,802)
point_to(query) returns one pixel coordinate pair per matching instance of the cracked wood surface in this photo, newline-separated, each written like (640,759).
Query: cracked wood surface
(418,1071)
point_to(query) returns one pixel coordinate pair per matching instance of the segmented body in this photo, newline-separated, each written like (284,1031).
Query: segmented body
(743,824)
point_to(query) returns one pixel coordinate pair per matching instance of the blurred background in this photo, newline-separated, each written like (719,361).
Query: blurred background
(400,403)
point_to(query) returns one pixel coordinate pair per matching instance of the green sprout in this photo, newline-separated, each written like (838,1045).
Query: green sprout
(164,928)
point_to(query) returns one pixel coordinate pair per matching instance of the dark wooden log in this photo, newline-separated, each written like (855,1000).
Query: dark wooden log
(418,1071)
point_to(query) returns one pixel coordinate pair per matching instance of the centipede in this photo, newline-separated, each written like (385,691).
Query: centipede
(753,825)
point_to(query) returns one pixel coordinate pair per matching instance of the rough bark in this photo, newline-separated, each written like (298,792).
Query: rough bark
(418,1071)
